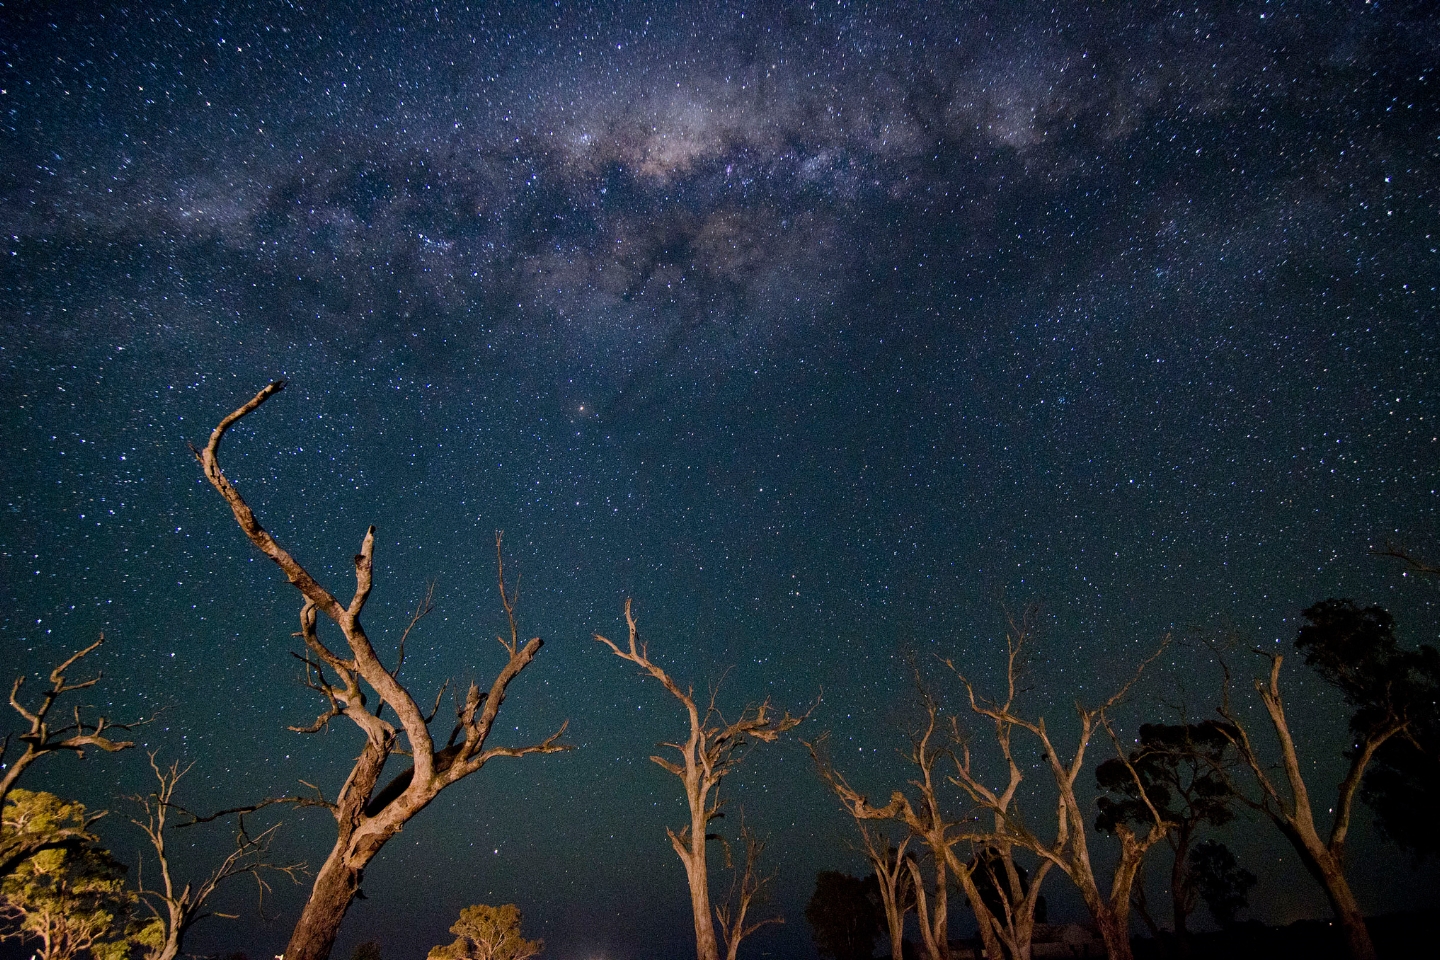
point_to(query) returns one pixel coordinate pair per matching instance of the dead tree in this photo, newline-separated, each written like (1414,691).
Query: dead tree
(40,740)
(185,906)
(711,752)
(747,890)
(891,870)
(1070,850)
(926,821)
(366,813)
(1013,925)
(1324,858)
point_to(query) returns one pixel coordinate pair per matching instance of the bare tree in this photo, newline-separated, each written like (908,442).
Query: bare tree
(1012,925)
(893,874)
(185,905)
(711,752)
(367,814)
(926,821)
(747,890)
(1324,858)
(40,740)
(1070,850)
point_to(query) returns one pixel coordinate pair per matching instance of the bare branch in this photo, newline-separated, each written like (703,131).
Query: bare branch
(40,739)
(184,905)
(368,815)
(1414,563)
(711,752)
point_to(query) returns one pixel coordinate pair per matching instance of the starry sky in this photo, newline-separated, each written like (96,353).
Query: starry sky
(825,330)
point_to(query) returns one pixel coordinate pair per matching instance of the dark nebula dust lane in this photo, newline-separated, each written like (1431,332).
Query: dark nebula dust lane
(824,330)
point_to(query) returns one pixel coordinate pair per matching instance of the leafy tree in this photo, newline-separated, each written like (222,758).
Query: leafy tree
(844,915)
(1184,772)
(488,933)
(1403,788)
(1220,881)
(41,738)
(72,900)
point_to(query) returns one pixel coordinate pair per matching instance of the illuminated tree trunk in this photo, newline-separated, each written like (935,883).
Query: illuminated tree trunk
(711,752)
(1324,860)
(368,815)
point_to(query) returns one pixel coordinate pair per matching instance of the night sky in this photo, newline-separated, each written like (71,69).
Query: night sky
(826,331)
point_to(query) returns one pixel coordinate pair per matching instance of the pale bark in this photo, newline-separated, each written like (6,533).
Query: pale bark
(1069,852)
(1324,858)
(746,891)
(184,904)
(367,815)
(889,863)
(40,740)
(711,752)
(1014,928)
(925,820)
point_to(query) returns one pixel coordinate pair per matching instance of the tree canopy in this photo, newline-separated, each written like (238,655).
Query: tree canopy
(844,915)
(488,933)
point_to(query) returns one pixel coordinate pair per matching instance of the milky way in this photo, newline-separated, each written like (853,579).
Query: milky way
(824,330)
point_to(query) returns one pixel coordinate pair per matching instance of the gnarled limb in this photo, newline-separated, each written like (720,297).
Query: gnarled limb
(366,814)
(1012,926)
(1069,851)
(925,820)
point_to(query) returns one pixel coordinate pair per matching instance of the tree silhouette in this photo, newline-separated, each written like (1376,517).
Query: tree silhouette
(1184,772)
(1222,883)
(844,915)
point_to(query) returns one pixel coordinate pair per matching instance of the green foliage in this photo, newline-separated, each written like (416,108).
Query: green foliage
(30,819)
(41,814)
(844,915)
(72,900)
(369,950)
(488,933)
(1220,881)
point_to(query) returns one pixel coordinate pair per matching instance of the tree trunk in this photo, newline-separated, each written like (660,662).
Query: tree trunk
(1115,932)
(706,947)
(896,922)
(171,949)
(1180,883)
(335,888)
(1347,911)
(984,919)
